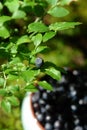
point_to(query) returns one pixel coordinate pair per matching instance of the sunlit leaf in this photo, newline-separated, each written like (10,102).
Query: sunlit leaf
(58,12)
(37,39)
(23,39)
(15,60)
(37,27)
(12,77)
(48,36)
(39,49)
(6,106)
(4,32)
(12,5)
(13,100)
(31,88)
(1,81)
(64,2)
(4,19)
(3,92)
(14,49)
(45,85)
(53,73)
(13,89)
(18,14)
(29,75)
(63,25)
(52,2)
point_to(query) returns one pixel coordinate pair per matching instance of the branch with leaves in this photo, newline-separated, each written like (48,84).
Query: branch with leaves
(23,36)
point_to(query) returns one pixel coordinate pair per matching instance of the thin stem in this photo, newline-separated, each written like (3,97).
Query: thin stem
(5,80)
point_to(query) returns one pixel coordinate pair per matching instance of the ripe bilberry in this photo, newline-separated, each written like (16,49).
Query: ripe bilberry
(38,62)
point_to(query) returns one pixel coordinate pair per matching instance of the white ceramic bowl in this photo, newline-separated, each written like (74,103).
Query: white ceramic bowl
(29,121)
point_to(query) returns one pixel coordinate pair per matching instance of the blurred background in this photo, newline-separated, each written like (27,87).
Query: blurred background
(67,49)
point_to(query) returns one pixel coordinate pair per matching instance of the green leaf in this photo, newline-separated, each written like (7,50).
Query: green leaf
(31,88)
(64,2)
(13,100)
(45,85)
(18,14)
(29,3)
(48,36)
(63,25)
(12,77)
(39,49)
(3,92)
(37,27)
(14,61)
(6,106)
(4,19)
(4,33)
(13,89)
(52,2)
(48,65)
(12,5)
(58,12)
(14,49)
(54,73)
(37,39)
(2,81)
(23,39)
(29,75)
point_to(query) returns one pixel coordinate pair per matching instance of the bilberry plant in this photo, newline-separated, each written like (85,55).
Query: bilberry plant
(23,34)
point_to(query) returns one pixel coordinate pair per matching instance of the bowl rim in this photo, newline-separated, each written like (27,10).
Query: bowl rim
(30,123)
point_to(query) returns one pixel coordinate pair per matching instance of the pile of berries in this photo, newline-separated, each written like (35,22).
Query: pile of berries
(64,108)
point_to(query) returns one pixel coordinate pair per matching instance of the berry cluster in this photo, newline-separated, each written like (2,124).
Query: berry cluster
(64,108)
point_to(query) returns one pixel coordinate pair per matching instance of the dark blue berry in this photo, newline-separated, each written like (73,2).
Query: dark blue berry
(43,110)
(64,108)
(48,126)
(48,107)
(40,117)
(57,124)
(48,118)
(36,106)
(85,100)
(78,128)
(38,62)
(45,96)
(35,97)
(41,102)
